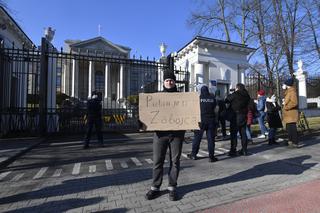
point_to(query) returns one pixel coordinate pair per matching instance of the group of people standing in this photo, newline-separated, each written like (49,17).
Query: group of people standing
(240,110)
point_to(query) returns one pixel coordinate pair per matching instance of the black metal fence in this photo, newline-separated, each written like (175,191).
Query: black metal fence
(45,91)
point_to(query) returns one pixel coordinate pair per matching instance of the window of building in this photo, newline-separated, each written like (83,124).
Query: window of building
(99,81)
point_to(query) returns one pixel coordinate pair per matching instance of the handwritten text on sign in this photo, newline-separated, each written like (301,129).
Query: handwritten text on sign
(169,111)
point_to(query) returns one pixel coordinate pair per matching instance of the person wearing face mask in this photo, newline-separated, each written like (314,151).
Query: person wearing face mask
(163,140)
(290,112)
(273,118)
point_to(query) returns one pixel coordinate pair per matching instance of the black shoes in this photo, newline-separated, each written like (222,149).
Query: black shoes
(272,142)
(242,152)
(190,156)
(152,194)
(173,196)
(213,159)
(232,154)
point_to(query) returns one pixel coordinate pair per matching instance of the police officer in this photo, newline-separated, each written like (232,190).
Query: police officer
(207,109)
(94,110)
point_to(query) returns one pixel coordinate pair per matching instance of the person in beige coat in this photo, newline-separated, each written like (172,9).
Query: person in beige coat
(290,113)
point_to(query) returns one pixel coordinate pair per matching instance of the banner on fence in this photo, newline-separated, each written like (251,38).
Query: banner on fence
(169,111)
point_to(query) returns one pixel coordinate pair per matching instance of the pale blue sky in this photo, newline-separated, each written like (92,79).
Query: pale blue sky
(139,24)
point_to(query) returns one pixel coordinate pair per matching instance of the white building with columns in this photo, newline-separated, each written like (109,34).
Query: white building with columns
(216,63)
(80,77)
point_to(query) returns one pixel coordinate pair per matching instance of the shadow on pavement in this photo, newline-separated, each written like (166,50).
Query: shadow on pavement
(279,167)
(84,184)
(59,206)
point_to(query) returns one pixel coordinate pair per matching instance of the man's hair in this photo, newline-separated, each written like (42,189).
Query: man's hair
(240,86)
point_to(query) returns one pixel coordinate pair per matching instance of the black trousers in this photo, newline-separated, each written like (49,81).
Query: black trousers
(160,146)
(292,132)
(97,123)
(222,122)
(238,124)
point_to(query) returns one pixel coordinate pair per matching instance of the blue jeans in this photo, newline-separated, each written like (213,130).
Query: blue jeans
(210,129)
(248,132)
(263,127)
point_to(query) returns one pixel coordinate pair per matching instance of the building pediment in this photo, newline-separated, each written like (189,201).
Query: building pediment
(100,44)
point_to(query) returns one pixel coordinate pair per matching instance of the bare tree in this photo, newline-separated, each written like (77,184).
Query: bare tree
(287,22)
(214,17)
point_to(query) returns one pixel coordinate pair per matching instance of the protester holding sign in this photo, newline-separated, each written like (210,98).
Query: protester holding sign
(161,142)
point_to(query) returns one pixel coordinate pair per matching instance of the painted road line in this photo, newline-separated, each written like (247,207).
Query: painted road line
(106,140)
(136,161)
(76,169)
(124,164)
(40,173)
(184,155)
(218,152)
(149,161)
(200,155)
(223,149)
(109,165)
(4,174)
(92,169)
(204,152)
(17,177)
(57,173)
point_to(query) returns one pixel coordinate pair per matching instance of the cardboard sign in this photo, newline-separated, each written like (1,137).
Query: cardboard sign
(169,111)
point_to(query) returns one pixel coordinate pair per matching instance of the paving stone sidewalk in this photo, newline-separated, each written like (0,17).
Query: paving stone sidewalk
(202,184)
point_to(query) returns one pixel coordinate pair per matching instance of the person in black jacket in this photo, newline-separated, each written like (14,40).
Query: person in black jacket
(207,109)
(163,140)
(273,118)
(239,101)
(94,118)
(221,113)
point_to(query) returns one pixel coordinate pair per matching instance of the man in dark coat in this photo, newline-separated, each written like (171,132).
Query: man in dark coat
(163,140)
(207,109)
(94,118)
(239,101)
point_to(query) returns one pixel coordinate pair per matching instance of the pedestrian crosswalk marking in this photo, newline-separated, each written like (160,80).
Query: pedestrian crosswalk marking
(40,173)
(92,169)
(200,155)
(76,169)
(136,161)
(149,161)
(205,152)
(124,164)
(218,152)
(223,149)
(57,173)
(17,177)
(109,165)
(4,174)
(184,155)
